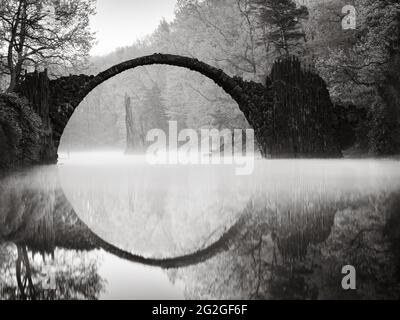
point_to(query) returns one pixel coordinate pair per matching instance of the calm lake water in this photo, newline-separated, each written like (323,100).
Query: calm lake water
(104,226)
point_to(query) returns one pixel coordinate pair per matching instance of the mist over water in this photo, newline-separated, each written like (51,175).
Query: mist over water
(170,209)
(182,221)
(288,216)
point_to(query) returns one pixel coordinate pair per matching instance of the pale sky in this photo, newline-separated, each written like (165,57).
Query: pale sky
(120,23)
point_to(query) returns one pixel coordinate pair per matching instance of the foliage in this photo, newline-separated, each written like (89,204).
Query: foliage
(20,133)
(300,255)
(244,37)
(359,65)
(43,34)
(282,20)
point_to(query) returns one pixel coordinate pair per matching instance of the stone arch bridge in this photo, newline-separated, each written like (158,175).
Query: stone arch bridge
(291,114)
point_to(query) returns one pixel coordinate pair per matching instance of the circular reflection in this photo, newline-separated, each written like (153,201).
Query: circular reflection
(154,211)
(168,211)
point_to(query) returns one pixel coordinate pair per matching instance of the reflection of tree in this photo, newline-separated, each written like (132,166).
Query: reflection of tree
(392,230)
(26,280)
(50,225)
(37,220)
(63,229)
(285,250)
(299,254)
(56,279)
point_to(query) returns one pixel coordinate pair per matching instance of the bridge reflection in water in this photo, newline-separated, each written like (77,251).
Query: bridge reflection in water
(284,232)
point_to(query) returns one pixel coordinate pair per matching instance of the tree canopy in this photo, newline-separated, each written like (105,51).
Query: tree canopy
(43,34)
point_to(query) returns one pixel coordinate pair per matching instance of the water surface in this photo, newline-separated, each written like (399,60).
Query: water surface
(106,226)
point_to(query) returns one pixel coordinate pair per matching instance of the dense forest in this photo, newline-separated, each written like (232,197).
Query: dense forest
(292,225)
(244,38)
(356,53)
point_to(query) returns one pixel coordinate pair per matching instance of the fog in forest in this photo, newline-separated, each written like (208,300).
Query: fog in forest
(308,177)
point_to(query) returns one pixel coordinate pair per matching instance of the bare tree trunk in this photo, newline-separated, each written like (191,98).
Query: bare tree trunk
(18,268)
(13,81)
(134,142)
(23,260)
(15,68)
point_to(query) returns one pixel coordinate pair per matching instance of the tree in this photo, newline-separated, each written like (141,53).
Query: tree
(363,71)
(222,33)
(153,110)
(383,130)
(43,33)
(283,18)
(134,135)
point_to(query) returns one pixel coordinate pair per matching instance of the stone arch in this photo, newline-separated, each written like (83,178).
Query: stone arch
(76,88)
(291,113)
(227,83)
